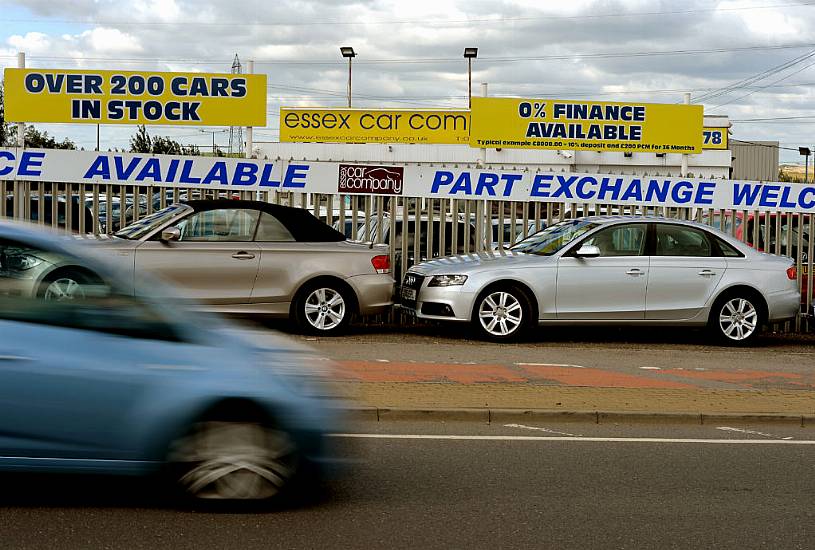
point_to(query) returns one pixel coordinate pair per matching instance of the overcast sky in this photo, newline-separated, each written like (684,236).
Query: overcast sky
(410,53)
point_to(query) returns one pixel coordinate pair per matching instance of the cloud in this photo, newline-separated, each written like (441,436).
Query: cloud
(410,52)
(114,41)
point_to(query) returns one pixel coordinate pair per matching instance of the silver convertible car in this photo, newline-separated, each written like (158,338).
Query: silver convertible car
(237,256)
(610,270)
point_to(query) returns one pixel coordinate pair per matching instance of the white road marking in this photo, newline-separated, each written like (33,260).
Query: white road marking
(752,432)
(650,368)
(383,360)
(583,439)
(536,428)
(549,365)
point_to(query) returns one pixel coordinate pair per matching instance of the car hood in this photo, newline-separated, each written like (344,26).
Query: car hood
(105,242)
(472,263)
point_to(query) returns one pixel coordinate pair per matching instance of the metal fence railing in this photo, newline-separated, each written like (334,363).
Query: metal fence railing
(416,229)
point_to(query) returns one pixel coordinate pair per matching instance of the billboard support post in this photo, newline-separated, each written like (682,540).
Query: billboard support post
(482,157)
(684,167)
(21,125)
(250,68)
(19,187)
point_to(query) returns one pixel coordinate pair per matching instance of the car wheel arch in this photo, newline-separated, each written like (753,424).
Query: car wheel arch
(743,290)
(530,295)
(333,279)
(220,408)
(64,270)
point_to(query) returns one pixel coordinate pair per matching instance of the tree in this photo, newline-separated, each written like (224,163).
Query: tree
(141,142)
(165,146)
(5,129)
(41,140)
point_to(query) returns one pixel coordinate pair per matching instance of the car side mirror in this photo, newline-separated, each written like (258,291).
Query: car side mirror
(170,234)
(587,251)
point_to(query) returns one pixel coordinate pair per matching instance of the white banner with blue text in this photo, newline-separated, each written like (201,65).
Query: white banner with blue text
(133,169)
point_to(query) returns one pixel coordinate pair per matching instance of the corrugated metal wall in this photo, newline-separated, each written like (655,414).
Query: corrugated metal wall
(756,160)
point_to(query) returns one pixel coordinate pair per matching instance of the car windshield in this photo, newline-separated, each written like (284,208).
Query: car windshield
(555,237)
(148,224)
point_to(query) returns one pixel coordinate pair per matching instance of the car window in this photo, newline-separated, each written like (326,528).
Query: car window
(148,224)
(223,224)
(727,249)
(555,237)
(48,287)
(620,240)
(270,229)
(681,240)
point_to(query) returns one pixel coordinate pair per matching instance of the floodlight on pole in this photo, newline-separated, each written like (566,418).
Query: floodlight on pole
(349,53)
(469,55)
(805,152)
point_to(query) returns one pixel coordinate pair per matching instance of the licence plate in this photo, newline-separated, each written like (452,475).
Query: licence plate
(409,294)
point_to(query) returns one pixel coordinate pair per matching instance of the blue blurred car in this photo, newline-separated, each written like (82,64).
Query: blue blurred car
(102,381)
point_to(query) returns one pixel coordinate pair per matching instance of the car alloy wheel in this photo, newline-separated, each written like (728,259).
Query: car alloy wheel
(500,314)
(738,319)
(324,309)
(64,289)
(234,461)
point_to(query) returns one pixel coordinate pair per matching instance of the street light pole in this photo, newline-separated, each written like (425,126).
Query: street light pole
(805,152)
(349,53)
(469,55)
(213,137)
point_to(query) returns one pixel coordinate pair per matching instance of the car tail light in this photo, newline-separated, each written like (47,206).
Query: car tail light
(792,273)
(382,264)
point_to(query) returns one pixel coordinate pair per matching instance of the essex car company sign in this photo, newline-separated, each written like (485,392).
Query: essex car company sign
(370,180)
(416,181)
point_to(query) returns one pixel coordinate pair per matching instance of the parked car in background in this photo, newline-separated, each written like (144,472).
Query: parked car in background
(517,230)
(77,211)
(250,257)
(610,270)
(420,230)
(745,229)
(102,381)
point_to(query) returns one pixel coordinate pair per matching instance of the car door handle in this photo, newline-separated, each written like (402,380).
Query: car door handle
(11,358)
(635,272)
(707,273)
(242,255)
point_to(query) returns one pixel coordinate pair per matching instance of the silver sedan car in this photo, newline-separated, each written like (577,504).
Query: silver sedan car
(236,256)
(610,270)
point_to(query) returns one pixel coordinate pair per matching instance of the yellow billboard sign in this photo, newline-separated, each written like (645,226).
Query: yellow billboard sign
(586,125)
(374,126)
(715,138)
(129,97)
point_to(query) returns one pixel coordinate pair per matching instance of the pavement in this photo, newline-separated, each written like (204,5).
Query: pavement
(600,371)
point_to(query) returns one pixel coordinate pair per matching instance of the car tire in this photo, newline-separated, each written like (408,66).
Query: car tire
(224,462)
(64,286)
(502,314)
(736,319)
(324,309)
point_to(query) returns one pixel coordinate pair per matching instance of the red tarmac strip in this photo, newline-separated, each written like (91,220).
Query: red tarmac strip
(567,375)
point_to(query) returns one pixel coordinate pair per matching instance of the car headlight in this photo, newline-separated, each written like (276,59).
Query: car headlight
(447,280)
(21,262)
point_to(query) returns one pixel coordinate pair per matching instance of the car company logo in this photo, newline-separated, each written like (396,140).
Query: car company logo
(410,280)
(380,180)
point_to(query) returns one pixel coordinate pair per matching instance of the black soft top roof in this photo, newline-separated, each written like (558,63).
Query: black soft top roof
(303,226)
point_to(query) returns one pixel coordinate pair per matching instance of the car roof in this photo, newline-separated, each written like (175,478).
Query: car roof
(301,224)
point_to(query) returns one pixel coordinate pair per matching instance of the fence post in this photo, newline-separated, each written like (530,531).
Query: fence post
(19,208)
